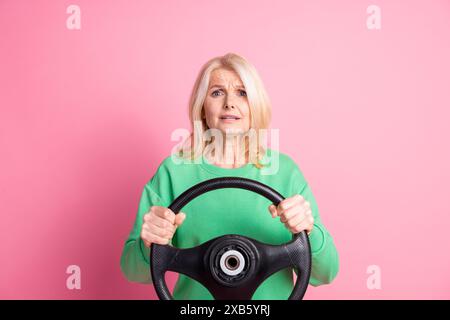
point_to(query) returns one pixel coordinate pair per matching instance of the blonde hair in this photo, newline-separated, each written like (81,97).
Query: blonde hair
(259,105)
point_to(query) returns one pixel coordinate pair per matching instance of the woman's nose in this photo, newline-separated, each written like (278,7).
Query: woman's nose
(230,101)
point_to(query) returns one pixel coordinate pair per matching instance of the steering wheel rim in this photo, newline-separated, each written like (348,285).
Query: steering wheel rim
(295,253)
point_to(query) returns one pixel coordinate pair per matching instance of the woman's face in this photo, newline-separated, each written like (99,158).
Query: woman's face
(226,104)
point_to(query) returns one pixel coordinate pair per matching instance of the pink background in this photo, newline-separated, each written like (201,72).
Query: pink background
(86,116)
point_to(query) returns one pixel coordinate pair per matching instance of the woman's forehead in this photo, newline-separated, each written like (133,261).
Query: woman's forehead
(225,77)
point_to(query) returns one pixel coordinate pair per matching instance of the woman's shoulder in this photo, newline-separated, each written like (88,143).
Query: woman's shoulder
(169,163)
(285,160)
(174,164)
(287,165)
(168,168)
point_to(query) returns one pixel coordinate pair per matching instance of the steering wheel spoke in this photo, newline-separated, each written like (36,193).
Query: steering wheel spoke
(190,262)
(273,258)
(233,293)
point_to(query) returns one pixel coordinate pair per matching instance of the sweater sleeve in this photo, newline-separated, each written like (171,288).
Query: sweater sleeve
(325,258)
(134,262)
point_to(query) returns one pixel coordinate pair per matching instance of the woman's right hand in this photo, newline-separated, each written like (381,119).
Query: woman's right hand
(159,225)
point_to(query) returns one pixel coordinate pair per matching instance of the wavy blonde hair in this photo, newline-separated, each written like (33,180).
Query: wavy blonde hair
(259,105)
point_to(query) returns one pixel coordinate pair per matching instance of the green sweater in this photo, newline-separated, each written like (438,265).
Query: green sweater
(229,211)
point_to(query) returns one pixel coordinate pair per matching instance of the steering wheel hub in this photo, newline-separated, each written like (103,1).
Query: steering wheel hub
(232,260)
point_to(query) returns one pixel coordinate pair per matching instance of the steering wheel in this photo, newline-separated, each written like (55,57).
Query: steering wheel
(232,266)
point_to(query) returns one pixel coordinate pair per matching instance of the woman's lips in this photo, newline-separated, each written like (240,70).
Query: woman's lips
(229,120)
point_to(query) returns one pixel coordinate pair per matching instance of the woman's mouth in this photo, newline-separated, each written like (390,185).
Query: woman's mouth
(229,118)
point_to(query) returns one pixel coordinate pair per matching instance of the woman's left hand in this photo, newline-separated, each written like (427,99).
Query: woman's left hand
(295,212)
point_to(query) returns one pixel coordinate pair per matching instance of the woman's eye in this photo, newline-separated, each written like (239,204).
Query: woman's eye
(217,93)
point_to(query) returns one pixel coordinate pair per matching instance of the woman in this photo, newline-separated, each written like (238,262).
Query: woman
(228,98)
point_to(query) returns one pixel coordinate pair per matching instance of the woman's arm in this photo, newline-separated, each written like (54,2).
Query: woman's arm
(325,259)
(134,261)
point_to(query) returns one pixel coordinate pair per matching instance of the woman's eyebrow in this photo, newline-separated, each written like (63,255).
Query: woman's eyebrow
(220,86)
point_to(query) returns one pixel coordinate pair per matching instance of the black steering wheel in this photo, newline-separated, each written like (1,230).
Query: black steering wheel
(232,266)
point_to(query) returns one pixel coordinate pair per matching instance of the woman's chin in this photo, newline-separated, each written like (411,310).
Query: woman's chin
(231,128)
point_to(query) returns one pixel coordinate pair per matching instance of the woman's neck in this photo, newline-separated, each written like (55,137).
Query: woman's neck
(231,157)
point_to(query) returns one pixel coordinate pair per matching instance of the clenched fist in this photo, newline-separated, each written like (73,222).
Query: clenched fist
(159,225)
(295,212)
